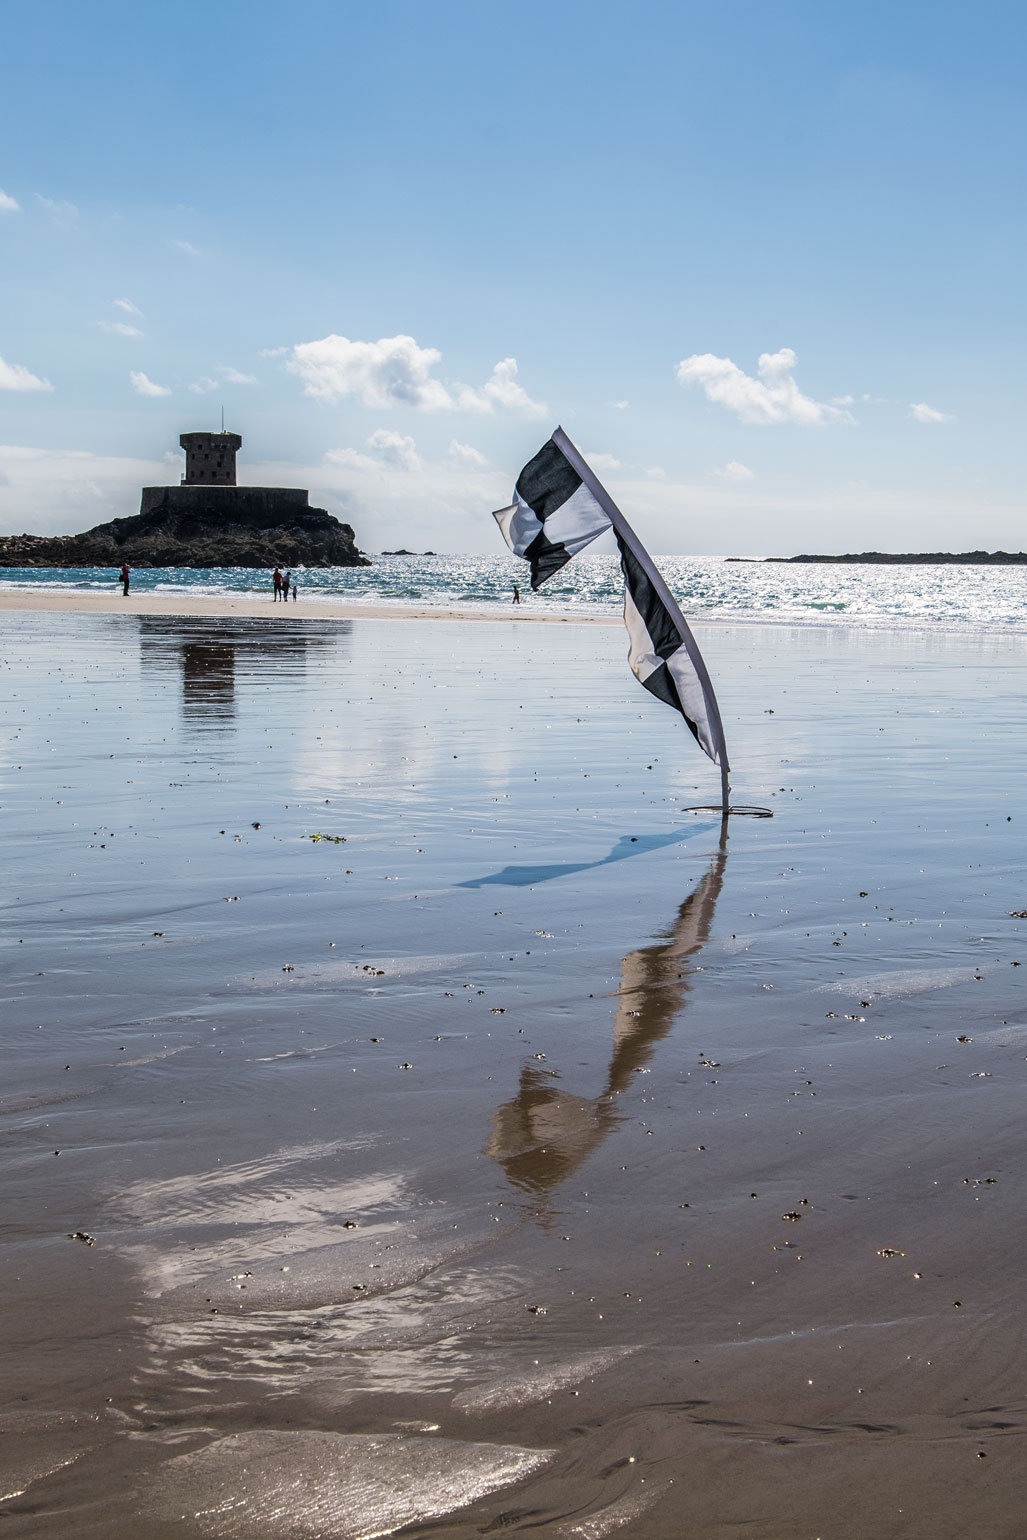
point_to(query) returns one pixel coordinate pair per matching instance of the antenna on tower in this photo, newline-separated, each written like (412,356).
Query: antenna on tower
(222,419)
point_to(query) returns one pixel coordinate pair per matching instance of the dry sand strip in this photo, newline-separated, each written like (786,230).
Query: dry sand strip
(193,606)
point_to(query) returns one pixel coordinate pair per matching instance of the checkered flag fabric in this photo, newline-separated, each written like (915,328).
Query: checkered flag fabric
(559,508)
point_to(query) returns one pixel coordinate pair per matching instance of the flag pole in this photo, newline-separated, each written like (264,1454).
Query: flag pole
(624,531)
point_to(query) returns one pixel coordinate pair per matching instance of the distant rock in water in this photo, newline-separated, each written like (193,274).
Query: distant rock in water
(923,559)
(208,521)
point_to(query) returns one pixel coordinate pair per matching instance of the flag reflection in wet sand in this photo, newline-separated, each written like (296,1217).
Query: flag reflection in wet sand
(543,1134)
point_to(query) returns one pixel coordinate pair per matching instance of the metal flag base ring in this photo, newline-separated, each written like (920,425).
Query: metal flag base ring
(740,811)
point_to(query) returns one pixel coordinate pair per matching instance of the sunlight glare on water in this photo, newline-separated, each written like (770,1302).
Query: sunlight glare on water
(977,598)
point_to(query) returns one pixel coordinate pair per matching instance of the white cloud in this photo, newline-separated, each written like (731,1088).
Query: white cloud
(395,449)
(127,306)
(600,461)
(622,406)
(372,491)
(734,470)
(59,210)
(226,376)
(392,370)
(921,412)
(391,451)
(465,454)
(144,386)
(63,491)
(773,397)
(656,473)
(396,371)
(351,459)
(8,205)
(17,377)
(121,328)
(188,247)
(501,390)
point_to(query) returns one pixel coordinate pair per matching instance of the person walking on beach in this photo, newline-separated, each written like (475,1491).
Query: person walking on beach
(517,595)
(125,574)
(276,578)
(287,579)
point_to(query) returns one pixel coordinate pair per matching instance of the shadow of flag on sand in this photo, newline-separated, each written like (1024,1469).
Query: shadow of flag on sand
(627,845)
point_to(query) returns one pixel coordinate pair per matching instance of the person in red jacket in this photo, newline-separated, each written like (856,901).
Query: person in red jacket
(125,574)
(276,578)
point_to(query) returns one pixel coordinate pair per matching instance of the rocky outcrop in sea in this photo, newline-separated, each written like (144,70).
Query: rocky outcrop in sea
(909,559)
(200,527)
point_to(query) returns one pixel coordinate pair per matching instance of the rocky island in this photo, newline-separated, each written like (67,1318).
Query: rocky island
(207,521)
(922,559)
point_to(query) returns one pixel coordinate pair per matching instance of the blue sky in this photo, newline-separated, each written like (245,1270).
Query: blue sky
(338,219)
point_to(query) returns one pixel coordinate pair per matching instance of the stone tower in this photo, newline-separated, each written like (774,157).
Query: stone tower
(210,458)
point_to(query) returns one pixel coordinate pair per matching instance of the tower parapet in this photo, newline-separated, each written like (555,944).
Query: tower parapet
(210,458)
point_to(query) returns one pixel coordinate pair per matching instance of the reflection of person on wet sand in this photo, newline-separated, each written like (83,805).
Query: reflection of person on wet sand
(544,1134)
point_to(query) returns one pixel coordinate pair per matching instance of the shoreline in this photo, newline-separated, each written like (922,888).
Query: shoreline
(251,607)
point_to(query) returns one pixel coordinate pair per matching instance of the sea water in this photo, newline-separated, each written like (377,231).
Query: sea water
(976,598)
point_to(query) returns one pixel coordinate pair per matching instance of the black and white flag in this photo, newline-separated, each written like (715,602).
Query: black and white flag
(553,515)
(559,508)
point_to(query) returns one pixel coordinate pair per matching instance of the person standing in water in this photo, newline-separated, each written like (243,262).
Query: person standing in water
(125,574)
(295,590)
(276,578)
(517,595)
(287,579)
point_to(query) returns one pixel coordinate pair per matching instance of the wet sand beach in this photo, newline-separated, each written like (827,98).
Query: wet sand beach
(415,1120)
(260,606)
